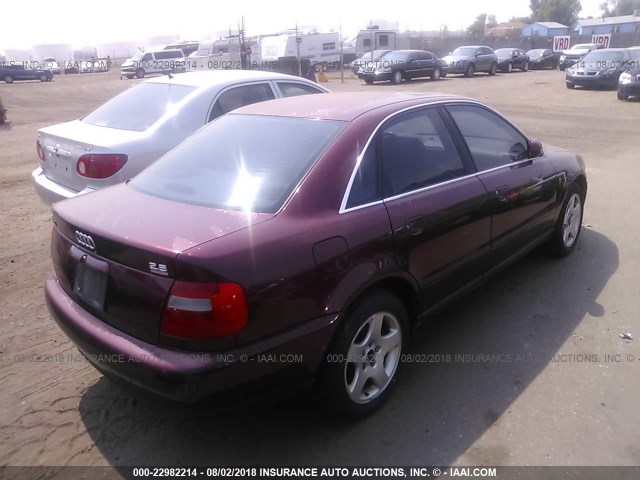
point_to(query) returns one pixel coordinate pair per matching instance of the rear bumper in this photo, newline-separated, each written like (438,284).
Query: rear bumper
(51,192)
(187,376)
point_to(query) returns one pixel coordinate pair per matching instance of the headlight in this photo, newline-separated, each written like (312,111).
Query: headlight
(625,78)
(571,71)
(563,58)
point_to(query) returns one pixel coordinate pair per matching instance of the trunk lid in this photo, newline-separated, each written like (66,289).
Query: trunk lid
(65,143)
(114,251)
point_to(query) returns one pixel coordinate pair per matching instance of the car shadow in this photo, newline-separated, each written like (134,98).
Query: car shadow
(441,406)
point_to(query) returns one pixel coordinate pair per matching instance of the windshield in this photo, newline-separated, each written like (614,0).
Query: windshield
(139,107)
(396,57)
(504,52)
(597,56)
(240,162)
(582,46)
(377,55)
(535,53)
(465,51)
(137,57)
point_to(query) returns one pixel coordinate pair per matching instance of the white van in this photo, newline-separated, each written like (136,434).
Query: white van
(155,61)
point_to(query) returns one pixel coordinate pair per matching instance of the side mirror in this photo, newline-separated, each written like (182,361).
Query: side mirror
(515,54)
(535,148)
(478,54)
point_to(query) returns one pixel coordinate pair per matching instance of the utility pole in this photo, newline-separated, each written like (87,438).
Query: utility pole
(341,56)
(298,41)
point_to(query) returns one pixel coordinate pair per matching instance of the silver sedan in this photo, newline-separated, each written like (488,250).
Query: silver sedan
(129,132)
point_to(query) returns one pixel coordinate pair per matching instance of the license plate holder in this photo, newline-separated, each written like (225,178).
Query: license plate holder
(91,285)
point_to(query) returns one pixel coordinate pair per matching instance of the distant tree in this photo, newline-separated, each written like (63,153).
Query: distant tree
(614,8)
(478,28)
(520,19)
(444,31)
(492,22)
(561,11)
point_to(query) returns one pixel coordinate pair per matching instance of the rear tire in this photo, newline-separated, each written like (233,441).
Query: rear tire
(569,224)
(494,68)
(8,79)
(43,77)
(525,67)
(362,364)
(509,68)
(570,86)
(368,82)
(621,96)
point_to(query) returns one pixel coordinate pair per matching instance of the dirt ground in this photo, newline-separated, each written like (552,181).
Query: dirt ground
(572,401)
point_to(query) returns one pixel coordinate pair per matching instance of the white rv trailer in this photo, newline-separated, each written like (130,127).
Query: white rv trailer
(375,39)
(322,49)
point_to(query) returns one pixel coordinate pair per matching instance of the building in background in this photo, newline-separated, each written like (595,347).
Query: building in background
(604,25)
(545,29)
(507,29)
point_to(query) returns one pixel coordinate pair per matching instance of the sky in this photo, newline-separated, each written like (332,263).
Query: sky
(89,22)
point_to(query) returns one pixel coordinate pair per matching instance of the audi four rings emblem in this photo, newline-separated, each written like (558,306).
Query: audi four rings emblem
(85,240)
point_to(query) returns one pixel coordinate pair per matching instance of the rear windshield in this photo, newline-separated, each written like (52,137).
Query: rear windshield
(535,53)
(139,107)
(240,162)
(504,51)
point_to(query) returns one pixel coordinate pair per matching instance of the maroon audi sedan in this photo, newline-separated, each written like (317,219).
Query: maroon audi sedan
(302,240)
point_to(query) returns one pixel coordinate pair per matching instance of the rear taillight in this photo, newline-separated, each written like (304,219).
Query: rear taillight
(40,151)
(100,165)
(204,310)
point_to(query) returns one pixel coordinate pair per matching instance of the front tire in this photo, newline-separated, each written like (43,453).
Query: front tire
(509,68)
(569,223)
(368,82)
(570,86)
(43,78)
(494,68)
(470,71)
(525,67)
(362,363)
(436,74)
(8,79)
(397,77)
(621,96)
(140,73)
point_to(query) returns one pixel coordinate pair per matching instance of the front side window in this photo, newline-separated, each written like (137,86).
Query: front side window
(240,162)
(491,140)
(418,151)
(239,97)
(139,107)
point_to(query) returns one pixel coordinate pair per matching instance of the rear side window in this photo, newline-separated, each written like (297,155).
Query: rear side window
(239,97)
(418,151)
(240,162)
(491,140)
(290,89)
(364,188)
(139,107)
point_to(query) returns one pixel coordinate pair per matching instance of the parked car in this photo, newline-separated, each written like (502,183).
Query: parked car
(12,72)
(404,65)
(135,128)
(158,61)
(570,57)
(51,64)
(510,58)
(369,59)
(541,58)
(629,83)
(314,231)
(599,68)
(471,59)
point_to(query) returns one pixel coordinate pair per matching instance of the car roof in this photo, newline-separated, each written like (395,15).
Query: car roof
(341,106)
(208,78)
